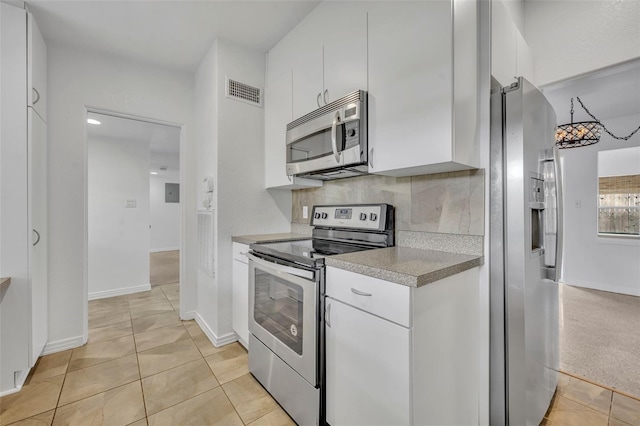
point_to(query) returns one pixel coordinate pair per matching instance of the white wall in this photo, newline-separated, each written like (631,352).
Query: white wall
(619,162)
(118,235)
(604,263)
(230,141)
(165,217)
(569,37)
(78,79)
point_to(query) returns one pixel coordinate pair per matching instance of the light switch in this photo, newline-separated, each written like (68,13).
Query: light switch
(130,204)
(305,212)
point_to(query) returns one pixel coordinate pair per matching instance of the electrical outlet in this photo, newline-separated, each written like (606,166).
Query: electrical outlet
(305,212)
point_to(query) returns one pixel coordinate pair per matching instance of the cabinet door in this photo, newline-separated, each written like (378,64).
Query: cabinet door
(345,48)
(37,130)
(367,368)
(241,301)
(305,47)
(37,69)
(15,315)
(307,79)
(410,85)
(277,114)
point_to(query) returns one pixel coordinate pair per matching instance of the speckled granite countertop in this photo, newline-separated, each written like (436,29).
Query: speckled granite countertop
(403,265)
(4,282)
(269,238)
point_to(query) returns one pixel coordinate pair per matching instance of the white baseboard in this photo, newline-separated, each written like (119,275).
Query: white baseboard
(63,345)
(187,316)
(158,250)
(10,391)
(217,341)
(603,287)
(119,291)
(19,378)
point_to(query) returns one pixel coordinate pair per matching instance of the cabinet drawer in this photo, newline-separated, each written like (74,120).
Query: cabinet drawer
(240,252)
(382,298)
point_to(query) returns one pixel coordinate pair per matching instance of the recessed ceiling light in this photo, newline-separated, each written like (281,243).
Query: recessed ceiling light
(154,173)
(92,121)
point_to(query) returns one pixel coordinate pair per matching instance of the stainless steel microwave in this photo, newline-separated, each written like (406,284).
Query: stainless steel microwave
(330,142)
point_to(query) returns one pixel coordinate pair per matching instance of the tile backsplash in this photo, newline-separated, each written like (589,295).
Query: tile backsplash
(450,203)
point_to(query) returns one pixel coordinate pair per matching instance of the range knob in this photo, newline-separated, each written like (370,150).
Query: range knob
(351,133)
(316,215)
(325,215)
(363,216)
(373,216)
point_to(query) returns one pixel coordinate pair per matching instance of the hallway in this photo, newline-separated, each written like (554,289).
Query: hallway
(164,267)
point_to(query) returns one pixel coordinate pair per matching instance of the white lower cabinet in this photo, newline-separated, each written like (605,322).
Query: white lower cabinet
(240,293)
(421,368)
(368,361)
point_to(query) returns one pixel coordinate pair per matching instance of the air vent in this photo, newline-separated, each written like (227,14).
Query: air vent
(243,92)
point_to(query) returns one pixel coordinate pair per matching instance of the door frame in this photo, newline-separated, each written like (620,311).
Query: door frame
(183,205)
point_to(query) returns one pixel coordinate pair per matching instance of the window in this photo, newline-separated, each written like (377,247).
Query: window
(619,192)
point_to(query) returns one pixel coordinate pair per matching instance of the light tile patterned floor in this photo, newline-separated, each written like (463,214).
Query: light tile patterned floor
(578,402)
(164,267)
(143,365)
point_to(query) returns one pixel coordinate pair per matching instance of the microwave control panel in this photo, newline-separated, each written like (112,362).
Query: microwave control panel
(352,134)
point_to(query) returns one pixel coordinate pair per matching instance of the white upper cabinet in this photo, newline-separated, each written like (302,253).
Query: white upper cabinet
(37,69)
(330,55)
(511,57)
(306,61)
(278,114)
(423,89)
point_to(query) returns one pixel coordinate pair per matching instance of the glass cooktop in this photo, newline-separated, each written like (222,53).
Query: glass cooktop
(309,252)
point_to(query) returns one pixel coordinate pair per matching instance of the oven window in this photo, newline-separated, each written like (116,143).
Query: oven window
(279,309)
(315,146)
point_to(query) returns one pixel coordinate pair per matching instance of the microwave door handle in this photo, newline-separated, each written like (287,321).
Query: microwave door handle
(334,144)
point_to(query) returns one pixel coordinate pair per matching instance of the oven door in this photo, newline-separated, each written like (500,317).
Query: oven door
(283,303)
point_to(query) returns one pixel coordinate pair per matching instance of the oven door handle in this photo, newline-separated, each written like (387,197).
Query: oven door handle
(282,269)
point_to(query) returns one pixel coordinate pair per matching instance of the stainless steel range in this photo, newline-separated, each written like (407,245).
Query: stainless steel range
(286,302)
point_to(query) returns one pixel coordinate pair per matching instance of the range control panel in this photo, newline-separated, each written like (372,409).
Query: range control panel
(361,216)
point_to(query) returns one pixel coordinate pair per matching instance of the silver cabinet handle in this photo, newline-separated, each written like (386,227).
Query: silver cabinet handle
(318,100)
(37,235)
(324,97)
(371,157)
(327,315)
(37,95)
(360,293)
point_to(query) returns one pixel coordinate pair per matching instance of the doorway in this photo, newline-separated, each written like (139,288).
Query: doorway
(134,210)
(601,278)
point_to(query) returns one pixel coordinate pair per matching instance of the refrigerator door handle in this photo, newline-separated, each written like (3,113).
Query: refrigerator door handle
(559,214)
(553,224)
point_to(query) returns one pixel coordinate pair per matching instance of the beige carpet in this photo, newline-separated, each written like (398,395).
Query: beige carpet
(164,267)
(600,337)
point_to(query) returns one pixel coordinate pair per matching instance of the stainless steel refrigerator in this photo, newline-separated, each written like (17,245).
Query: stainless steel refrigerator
(525,255)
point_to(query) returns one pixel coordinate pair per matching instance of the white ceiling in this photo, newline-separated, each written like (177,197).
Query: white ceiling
(173,34)
(608,93)
(164,141)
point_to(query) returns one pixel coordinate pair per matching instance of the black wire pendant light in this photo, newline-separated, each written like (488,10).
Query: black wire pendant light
(583,133)
(573,135)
